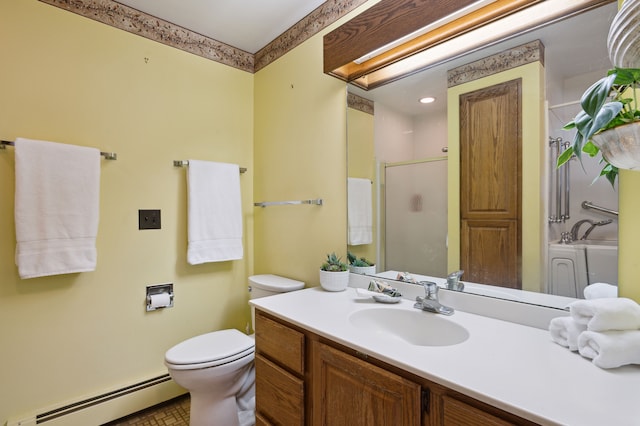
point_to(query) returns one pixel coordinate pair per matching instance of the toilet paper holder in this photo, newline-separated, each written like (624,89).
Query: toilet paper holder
(155,292)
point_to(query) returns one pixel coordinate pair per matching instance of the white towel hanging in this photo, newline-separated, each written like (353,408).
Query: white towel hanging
(56,208)
(215,212)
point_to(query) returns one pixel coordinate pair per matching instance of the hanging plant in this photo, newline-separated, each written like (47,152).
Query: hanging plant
(609,103)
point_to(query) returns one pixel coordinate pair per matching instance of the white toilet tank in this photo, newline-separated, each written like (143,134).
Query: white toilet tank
(269,285)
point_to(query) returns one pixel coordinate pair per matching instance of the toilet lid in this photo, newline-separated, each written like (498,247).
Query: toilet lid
(275,283)
(220,345)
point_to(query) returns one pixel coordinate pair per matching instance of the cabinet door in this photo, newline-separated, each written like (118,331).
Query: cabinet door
(349,391)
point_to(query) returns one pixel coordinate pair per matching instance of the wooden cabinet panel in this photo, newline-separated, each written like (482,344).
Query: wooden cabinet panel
(349,391)
(279,395)
(490,142)
(489,252)
(491,184)
(457,413)
(281,343)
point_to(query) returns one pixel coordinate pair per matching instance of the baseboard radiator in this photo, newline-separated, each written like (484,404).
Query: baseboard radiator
(104,407)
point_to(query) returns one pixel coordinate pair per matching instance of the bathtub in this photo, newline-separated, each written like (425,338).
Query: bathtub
(575,265)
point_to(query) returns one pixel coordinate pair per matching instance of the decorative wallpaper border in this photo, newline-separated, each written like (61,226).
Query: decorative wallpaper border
(512,58)
(323,16)
(123,17)
(360,103)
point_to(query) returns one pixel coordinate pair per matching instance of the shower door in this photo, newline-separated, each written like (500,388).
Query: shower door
(416,217)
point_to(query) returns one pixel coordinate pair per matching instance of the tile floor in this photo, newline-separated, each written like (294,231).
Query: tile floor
(174,412)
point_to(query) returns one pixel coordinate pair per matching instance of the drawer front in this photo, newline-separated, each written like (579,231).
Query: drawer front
(279,394)
(280,343)
(457,413)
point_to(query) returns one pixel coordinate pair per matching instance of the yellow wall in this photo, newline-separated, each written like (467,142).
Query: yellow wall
(300,154)
(532,153)
(362,164)
(69,79)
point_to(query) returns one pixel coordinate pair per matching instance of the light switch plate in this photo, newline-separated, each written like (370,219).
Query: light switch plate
(148,219)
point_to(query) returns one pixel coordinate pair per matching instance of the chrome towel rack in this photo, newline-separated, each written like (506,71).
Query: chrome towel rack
(317,202)
(106,155)
(185,163)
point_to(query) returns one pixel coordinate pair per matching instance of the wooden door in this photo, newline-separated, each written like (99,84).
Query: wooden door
(350,391)
(490,184)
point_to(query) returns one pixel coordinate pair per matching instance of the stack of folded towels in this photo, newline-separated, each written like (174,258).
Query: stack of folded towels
(605,330)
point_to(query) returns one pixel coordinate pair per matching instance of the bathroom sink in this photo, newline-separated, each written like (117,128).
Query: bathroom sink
(413,326)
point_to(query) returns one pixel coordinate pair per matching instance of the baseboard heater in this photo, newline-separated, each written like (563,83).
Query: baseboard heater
(68,409)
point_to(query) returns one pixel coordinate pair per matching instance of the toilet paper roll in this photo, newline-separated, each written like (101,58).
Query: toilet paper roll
(159,300)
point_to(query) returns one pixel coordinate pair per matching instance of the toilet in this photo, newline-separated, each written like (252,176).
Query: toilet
(217,368)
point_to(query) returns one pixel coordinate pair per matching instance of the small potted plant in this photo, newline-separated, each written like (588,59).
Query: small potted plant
(334,274)
(608,123)
(360,265)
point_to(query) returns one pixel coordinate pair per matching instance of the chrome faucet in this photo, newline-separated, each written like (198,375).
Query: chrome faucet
(453,281)
(591,228)
(576,227)
(430,300)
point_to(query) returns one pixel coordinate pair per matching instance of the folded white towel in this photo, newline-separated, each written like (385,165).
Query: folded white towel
(617,313)
(215,212)
(565,331)
(600,291)
(610,349)
(359,211)
(57,202)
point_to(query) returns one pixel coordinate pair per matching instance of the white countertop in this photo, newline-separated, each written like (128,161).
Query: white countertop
(513,367)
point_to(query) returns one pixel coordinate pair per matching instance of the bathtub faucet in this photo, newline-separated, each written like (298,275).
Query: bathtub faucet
(576,227)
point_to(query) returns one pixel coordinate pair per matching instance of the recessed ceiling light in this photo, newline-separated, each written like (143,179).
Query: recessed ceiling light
(427,100)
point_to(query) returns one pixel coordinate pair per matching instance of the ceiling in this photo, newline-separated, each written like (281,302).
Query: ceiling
(248,25)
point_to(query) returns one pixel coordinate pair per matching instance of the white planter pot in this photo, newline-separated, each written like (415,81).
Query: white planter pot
(620,145)
(366,270)
(623,41)
(334,281)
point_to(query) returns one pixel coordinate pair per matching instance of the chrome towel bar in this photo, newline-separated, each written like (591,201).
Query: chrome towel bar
(106,155)
(317,202)
(185,163)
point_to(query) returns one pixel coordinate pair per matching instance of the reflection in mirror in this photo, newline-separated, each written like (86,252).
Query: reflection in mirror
(405,157)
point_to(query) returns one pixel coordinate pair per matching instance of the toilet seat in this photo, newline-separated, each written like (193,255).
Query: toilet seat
(210,350)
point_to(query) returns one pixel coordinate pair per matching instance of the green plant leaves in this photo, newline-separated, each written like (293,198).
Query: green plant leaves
(596,95)
(604,106)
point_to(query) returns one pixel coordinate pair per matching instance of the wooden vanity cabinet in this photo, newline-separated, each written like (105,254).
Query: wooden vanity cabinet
(305,379)
(280,373)
(350,391)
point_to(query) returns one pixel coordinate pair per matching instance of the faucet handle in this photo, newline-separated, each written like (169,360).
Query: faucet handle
(430,289)
(453,281)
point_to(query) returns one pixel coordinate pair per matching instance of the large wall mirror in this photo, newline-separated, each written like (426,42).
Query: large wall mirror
(401,148)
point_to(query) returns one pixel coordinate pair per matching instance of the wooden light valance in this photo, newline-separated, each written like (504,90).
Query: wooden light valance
(390,20)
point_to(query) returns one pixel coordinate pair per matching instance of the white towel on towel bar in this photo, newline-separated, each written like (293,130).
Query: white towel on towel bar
(359,211)
(215,212)
(57,202)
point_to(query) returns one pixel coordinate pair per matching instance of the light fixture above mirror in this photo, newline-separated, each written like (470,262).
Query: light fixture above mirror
(391,20)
